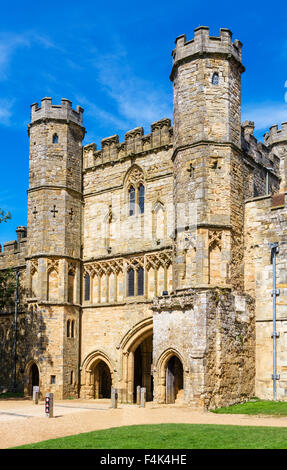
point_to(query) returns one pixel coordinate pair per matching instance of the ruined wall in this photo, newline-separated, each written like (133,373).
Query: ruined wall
(212,332)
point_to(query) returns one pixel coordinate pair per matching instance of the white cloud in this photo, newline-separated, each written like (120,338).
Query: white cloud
(266,114)
(10,42)
(139,101)
(5,111)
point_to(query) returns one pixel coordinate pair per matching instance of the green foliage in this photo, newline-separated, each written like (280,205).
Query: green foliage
(173,436)
(7,288)
(4,217)
(256,407)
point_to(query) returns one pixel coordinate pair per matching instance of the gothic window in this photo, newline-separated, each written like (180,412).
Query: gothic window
(140,286)
(134,183)
(141,198)
(52,285)
(87,287)
(131,282)
(132,200)
(215,79)
(55,139)
(71,286)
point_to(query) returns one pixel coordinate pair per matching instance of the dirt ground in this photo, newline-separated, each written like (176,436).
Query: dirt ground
(22,422)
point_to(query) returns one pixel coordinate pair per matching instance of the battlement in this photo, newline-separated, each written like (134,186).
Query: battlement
(257,151)
(275,135)
(135,143)
(203,43)
(47,110)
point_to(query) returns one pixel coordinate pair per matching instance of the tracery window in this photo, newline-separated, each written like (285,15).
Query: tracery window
(136,191)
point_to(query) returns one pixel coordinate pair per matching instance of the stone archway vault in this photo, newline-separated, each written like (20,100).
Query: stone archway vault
(128,346)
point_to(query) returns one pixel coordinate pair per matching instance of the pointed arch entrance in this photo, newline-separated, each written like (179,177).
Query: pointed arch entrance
(102,380)
(137,360)
(97,376)
(174,379)
(33,377)
(142,368)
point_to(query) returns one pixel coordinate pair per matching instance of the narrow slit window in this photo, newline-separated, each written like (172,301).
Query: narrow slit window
(132,198)
(68,328)
(131,282)
(72,328)
(140,286)
(55,139)
(215,79)
(87,287)
(141,198)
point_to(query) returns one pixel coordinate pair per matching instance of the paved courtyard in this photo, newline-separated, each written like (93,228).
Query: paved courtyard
(22,422)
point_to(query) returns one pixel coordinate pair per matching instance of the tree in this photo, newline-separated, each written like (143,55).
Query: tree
(4,217)
(7,288)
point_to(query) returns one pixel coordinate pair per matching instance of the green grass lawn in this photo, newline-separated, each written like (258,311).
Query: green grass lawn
(256,407)
(172,436)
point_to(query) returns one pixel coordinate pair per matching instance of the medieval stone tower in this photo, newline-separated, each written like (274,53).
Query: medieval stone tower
(146,262)
(206,79)
(54,227)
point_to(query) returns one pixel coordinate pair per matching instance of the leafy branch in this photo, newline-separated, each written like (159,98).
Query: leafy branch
(4,217)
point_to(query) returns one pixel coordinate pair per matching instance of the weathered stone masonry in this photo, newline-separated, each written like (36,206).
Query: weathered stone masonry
(146,262)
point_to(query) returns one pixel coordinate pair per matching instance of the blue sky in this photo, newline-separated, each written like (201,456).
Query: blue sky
(114,59)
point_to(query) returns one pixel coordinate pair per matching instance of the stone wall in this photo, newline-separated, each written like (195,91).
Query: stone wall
(265,222)
(212,332)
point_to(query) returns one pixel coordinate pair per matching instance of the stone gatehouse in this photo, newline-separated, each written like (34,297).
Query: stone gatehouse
(147,262)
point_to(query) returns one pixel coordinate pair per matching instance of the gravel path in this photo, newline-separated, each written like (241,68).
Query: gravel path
(22,422)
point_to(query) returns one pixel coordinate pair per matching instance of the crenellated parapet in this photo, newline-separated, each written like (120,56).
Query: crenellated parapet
(204,44)
(275,135)
(65,112)
(136,142)
(14,251)
(276,141)
(256,150)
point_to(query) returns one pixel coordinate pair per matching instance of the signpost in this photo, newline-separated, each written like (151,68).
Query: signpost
(35,394)
(49,405)
(114,397)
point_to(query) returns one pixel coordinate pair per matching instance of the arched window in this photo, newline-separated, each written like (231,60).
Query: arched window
(131,282)
(55,139)
(215,79)
(141,198)
(68,328)
(140,283)
(87,287)
(132,200)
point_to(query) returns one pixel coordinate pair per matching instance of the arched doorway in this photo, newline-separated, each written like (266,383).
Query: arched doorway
(102,380)
(137,352)
(33,378)
(174,379)
(142,368)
